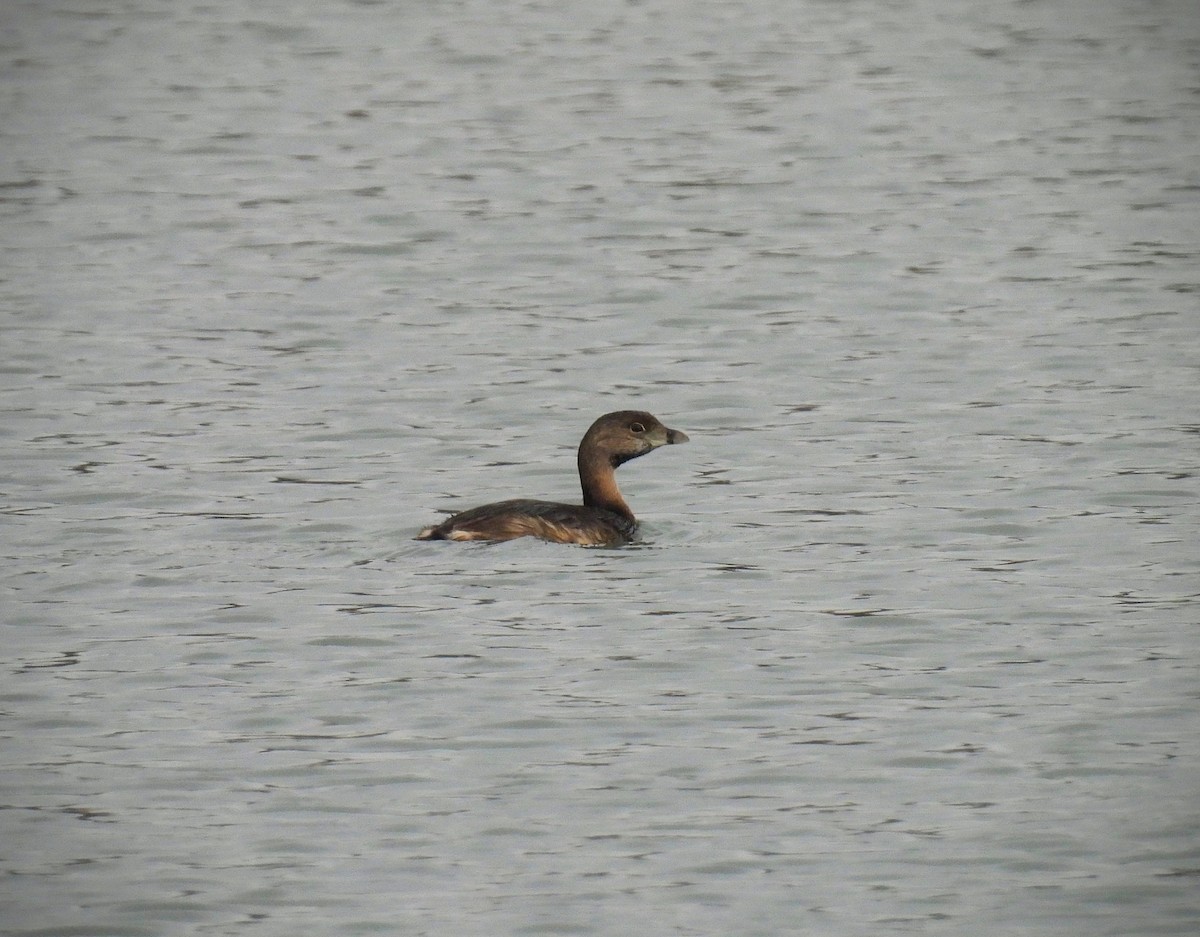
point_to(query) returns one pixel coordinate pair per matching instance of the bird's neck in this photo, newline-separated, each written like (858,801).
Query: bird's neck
(599,480)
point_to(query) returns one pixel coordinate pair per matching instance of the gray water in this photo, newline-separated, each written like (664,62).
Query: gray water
(910,643)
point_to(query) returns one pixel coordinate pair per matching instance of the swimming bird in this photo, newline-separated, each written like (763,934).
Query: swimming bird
(604,518)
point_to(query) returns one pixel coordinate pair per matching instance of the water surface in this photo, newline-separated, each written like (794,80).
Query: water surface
(909,644)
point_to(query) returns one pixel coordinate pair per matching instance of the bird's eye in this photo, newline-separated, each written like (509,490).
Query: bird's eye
(636,428)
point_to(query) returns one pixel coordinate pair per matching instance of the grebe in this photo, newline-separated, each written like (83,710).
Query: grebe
(604,519)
